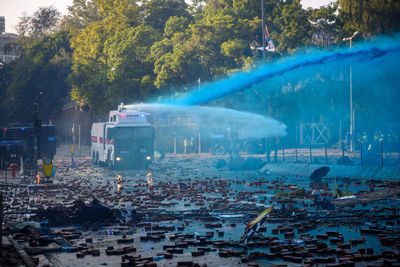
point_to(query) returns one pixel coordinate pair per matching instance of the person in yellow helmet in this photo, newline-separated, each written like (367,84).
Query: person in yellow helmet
(185,144)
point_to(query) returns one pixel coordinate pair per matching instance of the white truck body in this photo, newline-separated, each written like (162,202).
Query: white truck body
(125,139)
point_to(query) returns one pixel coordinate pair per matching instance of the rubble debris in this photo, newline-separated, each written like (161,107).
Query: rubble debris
(324,203)
(317,175)
(79,213)
(190,211)
(30,224)
(368,196)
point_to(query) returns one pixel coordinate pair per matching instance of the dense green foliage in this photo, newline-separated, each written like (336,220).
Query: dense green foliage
(39,76)
(109,51)
(44,21)
(370,16)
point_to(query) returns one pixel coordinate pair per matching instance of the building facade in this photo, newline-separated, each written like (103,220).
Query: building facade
(8,51)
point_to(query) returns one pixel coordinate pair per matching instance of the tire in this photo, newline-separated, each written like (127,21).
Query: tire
(94,158)
(97,159)
(109,163)
(219,150)
(250,149)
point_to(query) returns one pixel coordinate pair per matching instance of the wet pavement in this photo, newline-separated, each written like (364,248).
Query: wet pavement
(186,212)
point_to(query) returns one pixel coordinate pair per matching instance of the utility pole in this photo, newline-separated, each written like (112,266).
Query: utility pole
(35,139)
(340,135)
(199,144)
(295,142)
(267,150)
(73,138)
(1,225)
(79,137)
(326,154)
(351,94)
(263,28)
(389,147)
(381,141)
(174,139)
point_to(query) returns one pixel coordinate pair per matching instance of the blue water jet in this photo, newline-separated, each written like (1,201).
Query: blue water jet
(300,65)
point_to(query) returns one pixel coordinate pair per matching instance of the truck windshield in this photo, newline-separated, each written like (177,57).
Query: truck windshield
(130,132)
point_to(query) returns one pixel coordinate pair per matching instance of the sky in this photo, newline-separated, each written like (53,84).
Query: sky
(12,10)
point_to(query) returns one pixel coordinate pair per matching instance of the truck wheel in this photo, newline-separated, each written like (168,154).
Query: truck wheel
(94,158)
(250,149)
(219,150)
(110,164)
(97,162)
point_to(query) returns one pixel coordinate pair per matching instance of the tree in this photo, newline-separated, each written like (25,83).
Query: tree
(44,21)
(177,63)
(110,56)
(39,75)
(370,17)
(325,24)
(127,53)
(197,9)
(292,25)
(88,65)
(208,49)
(174,25)
(81,14)
(158,12)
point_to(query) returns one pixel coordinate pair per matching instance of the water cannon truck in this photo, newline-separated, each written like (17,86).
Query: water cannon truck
(126,140)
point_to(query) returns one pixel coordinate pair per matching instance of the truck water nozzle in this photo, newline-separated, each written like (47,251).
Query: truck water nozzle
(121,107)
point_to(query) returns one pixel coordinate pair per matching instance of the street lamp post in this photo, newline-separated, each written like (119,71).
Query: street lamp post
(351,94)
(35,139)
(263,28)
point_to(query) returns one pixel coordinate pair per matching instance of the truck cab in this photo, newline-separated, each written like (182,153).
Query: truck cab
(124,141)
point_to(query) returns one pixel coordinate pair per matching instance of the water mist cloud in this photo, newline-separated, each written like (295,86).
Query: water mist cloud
(243,125)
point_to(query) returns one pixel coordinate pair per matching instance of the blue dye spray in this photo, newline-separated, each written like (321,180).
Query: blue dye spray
(375,71)
(368,57)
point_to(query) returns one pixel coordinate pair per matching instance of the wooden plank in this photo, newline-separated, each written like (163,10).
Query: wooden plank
(21,252)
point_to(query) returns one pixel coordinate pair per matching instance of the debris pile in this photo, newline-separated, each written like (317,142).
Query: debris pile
(79,213)
(187,212)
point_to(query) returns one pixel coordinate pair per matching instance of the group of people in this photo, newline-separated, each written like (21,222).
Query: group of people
(371,141)
(188,145)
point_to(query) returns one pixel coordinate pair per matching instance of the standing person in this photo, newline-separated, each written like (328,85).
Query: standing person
(185,144)
(191,145)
